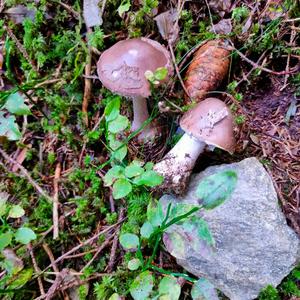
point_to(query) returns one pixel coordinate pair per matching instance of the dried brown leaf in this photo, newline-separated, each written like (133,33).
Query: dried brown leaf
(92,13)
(220,7)
(18,13)
(168,26)
(223,27)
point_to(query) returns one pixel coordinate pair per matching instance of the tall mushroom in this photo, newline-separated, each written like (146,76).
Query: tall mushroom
(209,123)
(121,69)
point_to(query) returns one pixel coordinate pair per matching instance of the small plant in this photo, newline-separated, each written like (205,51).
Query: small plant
(122,178)
(211,192)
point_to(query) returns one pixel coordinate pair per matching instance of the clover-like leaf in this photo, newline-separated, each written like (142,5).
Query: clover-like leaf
(112,174)
(16,211)
(169,287)
(133,170)
(112,109)
(204,290)
(129,241)
(25,235)
(121,188)
(5,239)
(142,286)
(146,230)
(118,124)
(149,178)
(155,213)
(9,128)
(15,105)
(134,264)
(215,189)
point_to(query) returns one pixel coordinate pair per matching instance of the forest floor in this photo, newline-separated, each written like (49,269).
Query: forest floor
(60,217)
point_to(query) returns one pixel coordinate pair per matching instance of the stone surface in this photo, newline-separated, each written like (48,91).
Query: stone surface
(254,245)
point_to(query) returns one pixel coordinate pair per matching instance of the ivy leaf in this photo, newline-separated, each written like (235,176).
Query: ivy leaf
(121,188)
(15,105)
(112,109)
(215,189)
(124,7)
(9,127)
(16,211)
(142,286)
(134,264)
(133,170)
(204,290)
(146,230)
(149,178)
(129,241)
(118,124)
(25,235)
(168,286)
(115,172)
(5,240)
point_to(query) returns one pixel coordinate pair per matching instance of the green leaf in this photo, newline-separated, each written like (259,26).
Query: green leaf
(149,178)
(142,286)
(134,264)
(21,279)
(168,286)
(15,105)
(129,241)
(215,189)
(115,172)
(155,213)
(175,243)
(16,211)
(149,166)
(133,170)
(25,235)
(5,240)
(146,230)
(9,128)
(124,7)
(115,296)
(204,290)
(161,73)
(121,188)
(112,109)
(114,144)
(118,124)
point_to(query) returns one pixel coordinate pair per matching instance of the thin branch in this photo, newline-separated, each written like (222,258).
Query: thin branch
(56,201)
(27,175)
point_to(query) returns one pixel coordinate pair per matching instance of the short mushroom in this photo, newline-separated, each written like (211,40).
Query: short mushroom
(209,123)
(121,69)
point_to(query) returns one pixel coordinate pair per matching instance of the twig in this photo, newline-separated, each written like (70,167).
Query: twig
(27,175)
(210,17)
(103,245)
(87,81)
(36,269)
(69,8)
(51,257)
(55,201)
(88,241)
(20,47)
(2,3)
(112,257)
(260,67)
(177,70)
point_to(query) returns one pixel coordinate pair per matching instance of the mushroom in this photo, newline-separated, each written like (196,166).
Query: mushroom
(209,123)
(121,69)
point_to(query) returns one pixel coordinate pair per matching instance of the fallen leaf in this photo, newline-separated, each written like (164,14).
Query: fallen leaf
(220,7)
(18,13)
(223,27)
(168,26)
(92,13)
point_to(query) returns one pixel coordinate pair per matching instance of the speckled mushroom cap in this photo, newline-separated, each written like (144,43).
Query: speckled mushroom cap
(212,122)
(121,68)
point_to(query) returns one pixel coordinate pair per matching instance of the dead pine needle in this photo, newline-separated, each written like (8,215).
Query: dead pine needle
(55,201)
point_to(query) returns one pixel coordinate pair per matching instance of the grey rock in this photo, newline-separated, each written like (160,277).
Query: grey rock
(254,245)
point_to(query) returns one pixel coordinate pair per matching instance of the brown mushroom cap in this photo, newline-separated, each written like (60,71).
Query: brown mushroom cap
(212,122)
(122,67)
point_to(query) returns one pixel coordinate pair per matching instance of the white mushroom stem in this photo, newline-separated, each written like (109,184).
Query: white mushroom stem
(178,164)
(140,115)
